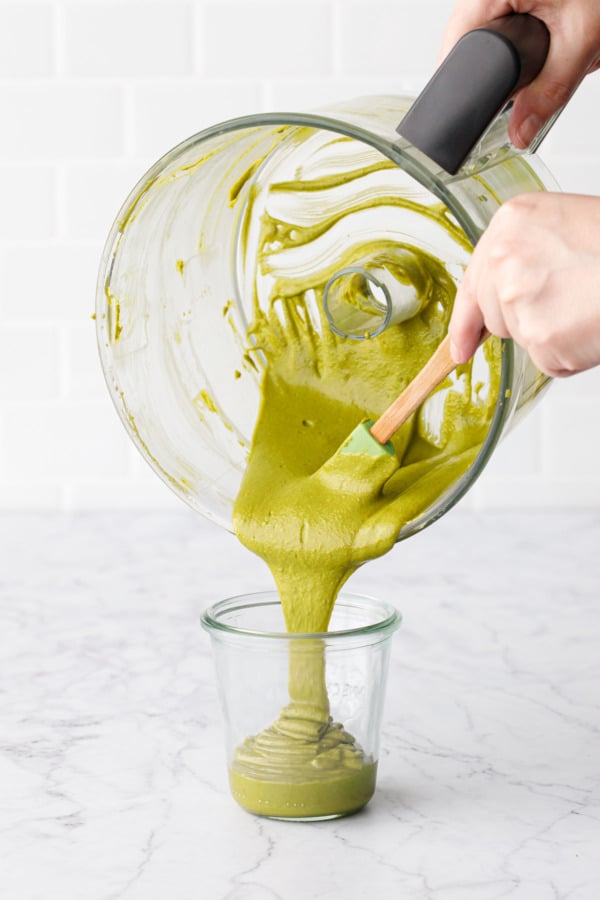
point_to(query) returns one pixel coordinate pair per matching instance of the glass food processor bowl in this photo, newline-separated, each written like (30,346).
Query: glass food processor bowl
(186,266)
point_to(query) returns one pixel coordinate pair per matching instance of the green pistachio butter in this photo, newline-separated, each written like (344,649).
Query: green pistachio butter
(315,514)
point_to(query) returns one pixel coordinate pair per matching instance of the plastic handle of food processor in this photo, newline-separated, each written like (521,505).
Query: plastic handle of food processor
(472,85)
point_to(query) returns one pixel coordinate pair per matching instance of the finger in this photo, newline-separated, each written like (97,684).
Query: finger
(466,323)
(548,361)
(567,64)
(492,310)
(474,16)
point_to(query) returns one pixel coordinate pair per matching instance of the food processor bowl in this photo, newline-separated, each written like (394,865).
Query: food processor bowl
(186,267)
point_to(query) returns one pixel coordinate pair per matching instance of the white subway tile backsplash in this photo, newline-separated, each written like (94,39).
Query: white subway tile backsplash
(572,438)
(124,39)
(61,121)
(84,381)
(49,283)
(91,93)
(121,494)
(519,453)
(94,193)
(26,40)
(381,37)
(138,487)
(575,174)
(586,386)
(28,202)
(25,495)
(166,113)
(571,148)
(19,379)
(63,442)
(305,95)
(267,38)
(577,129)
(539,492)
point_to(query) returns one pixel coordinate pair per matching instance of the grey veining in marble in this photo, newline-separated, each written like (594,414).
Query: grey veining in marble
(112,775)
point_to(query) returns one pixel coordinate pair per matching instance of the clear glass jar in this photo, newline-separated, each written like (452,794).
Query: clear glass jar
(302,712)
(180,274)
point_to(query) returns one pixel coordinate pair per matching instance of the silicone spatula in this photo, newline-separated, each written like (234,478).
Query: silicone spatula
(373,438)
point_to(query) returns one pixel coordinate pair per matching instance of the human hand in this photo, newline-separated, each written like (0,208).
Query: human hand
(535,277)
(574,27)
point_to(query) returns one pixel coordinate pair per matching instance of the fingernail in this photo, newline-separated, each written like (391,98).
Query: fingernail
(455,353)
(529,128)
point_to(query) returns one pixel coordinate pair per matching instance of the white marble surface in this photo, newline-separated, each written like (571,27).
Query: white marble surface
(112,777)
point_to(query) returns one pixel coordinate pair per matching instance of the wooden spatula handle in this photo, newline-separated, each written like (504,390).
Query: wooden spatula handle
(433,372)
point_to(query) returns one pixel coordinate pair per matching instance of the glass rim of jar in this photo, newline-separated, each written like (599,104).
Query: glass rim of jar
(211,619)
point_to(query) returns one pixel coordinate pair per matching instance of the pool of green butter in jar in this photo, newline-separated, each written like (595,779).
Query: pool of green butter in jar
(303,765)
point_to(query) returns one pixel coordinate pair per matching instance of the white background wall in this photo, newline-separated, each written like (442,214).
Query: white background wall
(91,93)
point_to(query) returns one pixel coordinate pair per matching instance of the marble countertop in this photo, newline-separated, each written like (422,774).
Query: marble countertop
(112,771)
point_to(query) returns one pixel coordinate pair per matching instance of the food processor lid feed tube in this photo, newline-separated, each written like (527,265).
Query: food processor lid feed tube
(472,86)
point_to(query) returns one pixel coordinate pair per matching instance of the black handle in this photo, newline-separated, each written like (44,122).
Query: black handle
(472,85)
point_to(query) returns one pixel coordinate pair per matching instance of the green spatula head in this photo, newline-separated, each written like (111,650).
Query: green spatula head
(361,442)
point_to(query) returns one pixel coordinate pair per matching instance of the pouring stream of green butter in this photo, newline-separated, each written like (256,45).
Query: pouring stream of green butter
(315,515)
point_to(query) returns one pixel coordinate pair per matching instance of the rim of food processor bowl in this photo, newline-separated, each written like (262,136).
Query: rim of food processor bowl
(406,162)
(386,626)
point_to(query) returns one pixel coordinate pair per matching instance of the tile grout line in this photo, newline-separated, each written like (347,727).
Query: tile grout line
(60,41)
(198,31)
(336,39)
(128,120)
(62,223)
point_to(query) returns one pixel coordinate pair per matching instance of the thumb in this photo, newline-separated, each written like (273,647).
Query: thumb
(563,70)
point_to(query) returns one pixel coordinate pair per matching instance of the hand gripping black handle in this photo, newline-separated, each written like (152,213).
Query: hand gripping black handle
(472,85)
